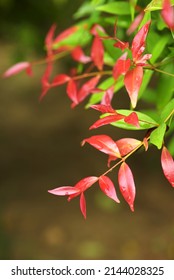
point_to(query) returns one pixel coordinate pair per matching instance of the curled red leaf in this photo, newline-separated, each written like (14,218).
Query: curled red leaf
(135,23)
(83,204)
(87,88)
(17,68)
(126,184)
(65,34)
(72,92)
(132,119)
(167,165)
(107,120)
(60,80)
(108,188)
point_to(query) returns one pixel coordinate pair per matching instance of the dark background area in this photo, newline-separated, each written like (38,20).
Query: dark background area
(40,150)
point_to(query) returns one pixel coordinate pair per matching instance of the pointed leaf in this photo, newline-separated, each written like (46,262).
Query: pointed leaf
(97,53)
(132,119)
(87,88)
(126,184)
(157,135)
(108,188)
(83,204)
(127,145)
(167,14)
(138,43)
(134,25)
(121,66)
(49,36)
(78,55)
(86,183)
(103,108)
(167,165)
(60,80)
(67,190)
(107,120)
(17,68)
(104,144)
(72,92)
(116,8)
(132,81)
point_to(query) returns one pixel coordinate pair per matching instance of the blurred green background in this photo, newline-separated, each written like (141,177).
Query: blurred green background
(40,150)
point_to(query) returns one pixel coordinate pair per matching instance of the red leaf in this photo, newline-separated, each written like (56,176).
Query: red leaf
(127,145)
(132,81)
(86,183)
(107,97)
(45,80)
(83,204)
(108,188)
(78,55)
(167,165)
(167,14)
(60,80)
(72,92)
(132,119)
(97,53)
(104,144)
(126,184)
(107,120)
(103,108)
(67,190)
(135,23)
(96,29)
(121,66)
(121,45)
(87,88)
(18,67)
(49,36)
(66,33)
(138,43)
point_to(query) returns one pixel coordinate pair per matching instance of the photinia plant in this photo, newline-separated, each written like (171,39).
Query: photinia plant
(126,60)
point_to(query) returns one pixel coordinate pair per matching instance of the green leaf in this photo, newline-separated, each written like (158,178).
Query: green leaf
(158,48)
(165,87)
(132,8)
(167,111)
(145,121)
(155,5)
(157,135)
(116,8)
(87,8)
(171,146)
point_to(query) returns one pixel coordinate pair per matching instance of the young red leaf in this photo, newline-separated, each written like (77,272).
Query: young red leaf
(18,67)
(86,183)
(104,144)
(135,23)
(121,45)
(96,29)
(167,14)
(65,34)
(133,80)
(107,97)
(97,53)
(83,204)
(127,145)
(121,66)
(87,88)
(45,80)
(138,43)
(72,92)
(107,120)
(103,108)
(78,55)
(132,119)
(167,165)
(60,80)
(108,188)
(126,184)
(67,190)
(50,35)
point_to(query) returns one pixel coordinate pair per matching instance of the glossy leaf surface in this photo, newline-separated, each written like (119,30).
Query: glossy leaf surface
(108,188)
(126,184)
